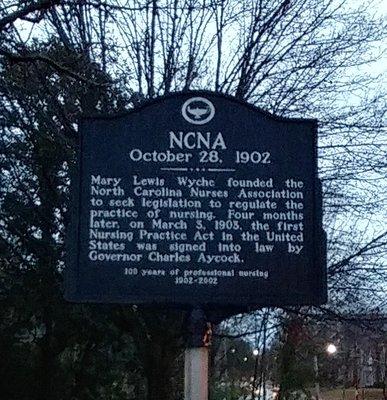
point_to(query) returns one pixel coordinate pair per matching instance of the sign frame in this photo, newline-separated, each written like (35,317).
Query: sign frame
(74,240)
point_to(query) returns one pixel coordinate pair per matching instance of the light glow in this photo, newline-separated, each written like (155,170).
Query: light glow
(331,348)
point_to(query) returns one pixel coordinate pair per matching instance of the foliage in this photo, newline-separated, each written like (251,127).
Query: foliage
(61,59)
(63,348)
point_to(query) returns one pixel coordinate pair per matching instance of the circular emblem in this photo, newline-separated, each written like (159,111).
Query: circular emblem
(198,110)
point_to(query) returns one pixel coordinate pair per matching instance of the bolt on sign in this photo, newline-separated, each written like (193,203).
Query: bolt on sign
(197,199)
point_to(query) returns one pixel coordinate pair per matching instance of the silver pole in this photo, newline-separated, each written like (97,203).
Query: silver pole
(196,374)
(196,357)
(317,378)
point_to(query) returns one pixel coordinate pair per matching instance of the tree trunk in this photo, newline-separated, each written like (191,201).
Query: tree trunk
(160,373)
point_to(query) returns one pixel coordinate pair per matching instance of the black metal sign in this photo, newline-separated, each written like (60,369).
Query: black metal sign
(197,199)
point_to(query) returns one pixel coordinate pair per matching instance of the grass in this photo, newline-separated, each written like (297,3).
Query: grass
(350,394)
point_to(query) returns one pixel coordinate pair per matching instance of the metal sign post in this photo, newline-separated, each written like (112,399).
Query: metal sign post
(196,357)
(196,374)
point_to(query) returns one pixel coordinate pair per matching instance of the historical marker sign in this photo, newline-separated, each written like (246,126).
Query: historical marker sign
(197,198)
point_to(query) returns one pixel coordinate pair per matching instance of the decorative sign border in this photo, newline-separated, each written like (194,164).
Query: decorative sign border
(196,115)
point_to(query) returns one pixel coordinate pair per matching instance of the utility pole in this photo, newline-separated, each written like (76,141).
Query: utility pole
(356,373)
(316,377)
(384,370)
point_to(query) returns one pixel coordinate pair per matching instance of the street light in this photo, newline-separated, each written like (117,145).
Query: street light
(331,348)
(254,389)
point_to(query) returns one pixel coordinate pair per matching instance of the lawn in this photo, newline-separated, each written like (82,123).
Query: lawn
(337,394)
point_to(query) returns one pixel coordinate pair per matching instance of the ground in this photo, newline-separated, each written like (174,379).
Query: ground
(337,394)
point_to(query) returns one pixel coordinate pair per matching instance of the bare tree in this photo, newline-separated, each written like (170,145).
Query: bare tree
(301,58)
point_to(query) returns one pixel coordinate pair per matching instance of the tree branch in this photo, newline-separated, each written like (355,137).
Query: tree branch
(41,5)
(19,58)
